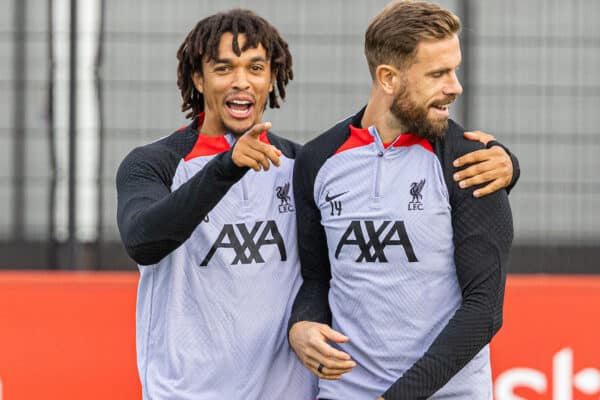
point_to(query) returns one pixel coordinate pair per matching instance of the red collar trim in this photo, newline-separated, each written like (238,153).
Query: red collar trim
(358,137)
(410,139)
(361,137)
(207,145)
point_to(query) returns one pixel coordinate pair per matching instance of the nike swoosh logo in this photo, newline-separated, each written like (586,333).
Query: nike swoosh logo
(327,198)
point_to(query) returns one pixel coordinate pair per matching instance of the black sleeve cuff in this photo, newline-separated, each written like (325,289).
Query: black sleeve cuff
(514,160)
(228,168)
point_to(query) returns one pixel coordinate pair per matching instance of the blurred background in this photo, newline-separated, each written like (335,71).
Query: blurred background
(85,81)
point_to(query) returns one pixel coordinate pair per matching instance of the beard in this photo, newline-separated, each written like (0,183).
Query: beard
(414,116)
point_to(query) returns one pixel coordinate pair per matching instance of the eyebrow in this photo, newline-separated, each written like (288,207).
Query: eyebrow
(439,71)
(229,60)
(444,70)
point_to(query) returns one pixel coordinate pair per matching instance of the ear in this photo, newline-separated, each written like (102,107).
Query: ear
(273,78)
(198,81)
(387,77)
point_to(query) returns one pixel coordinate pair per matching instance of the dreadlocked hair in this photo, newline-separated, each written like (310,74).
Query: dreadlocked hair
(202,43)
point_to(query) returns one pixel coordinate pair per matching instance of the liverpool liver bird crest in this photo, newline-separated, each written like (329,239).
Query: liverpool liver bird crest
(415,191)
(283,194)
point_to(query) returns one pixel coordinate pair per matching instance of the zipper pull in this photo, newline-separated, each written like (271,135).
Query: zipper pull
(377,138)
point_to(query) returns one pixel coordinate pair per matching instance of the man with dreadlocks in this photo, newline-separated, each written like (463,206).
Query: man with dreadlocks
(216,243)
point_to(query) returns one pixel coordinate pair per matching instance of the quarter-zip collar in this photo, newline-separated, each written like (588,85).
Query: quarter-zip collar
(207,145)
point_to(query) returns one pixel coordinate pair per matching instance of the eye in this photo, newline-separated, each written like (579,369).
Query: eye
(256,68)
(437,74)
(222,68)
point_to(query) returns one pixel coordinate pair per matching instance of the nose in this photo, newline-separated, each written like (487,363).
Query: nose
(453,86)
(240,80)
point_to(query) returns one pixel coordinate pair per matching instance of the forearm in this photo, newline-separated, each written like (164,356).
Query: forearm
(154,221)
(311,303)
(468,331)
(482,237)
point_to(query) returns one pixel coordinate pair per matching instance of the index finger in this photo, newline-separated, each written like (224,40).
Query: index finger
(473,157)
(257,129)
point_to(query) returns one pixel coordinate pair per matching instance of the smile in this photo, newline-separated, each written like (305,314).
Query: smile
(441,110)
(239,108)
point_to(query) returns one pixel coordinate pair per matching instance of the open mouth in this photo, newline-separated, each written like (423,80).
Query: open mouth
(441,109)
(239,108)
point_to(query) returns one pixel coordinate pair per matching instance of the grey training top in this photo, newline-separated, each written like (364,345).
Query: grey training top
(219,269)
(398,258)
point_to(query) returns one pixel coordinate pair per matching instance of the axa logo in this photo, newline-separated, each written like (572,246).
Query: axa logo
(283,194)
(564,380)
(415,191)
(247,243)
(372,239)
